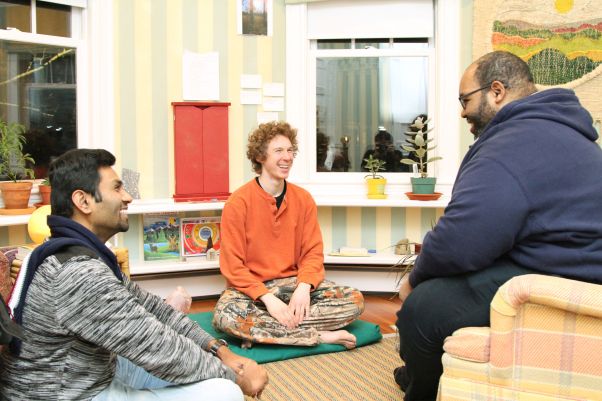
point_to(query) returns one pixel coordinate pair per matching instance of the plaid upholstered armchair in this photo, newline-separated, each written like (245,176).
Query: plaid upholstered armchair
(544,343)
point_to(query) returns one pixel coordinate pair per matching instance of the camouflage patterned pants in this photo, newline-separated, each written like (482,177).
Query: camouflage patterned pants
(331,307)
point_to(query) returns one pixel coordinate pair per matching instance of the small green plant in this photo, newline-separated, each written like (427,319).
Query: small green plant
(374,166)
(13,162)
(45,182)
(417,144)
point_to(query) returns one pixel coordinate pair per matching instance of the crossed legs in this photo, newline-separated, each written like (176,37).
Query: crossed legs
(331,308)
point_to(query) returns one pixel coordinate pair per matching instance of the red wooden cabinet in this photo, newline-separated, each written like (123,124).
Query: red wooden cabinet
(201,151)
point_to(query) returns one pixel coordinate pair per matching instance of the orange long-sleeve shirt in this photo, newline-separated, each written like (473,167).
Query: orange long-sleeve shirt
(261,242)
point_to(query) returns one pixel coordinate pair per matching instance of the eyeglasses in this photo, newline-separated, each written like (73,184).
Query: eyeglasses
(462,98)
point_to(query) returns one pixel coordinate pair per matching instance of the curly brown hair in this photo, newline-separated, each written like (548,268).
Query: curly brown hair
(261,137)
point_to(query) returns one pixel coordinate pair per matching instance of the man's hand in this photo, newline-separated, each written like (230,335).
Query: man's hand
(278,310)
(405,288)
(180,300)
(299,303)
(250,377)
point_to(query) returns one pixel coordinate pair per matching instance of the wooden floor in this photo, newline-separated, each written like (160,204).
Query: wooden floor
(380,309)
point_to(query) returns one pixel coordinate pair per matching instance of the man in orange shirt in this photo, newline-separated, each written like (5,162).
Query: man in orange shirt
(272,257)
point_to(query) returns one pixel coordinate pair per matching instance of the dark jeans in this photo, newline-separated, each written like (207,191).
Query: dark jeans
(434,310)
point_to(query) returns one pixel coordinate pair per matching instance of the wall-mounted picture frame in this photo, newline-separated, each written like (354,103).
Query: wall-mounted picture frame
(254,17)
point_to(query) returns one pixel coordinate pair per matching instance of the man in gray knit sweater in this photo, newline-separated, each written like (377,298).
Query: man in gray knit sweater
(91,333)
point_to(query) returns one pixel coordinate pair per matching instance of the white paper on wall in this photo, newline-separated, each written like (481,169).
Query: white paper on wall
(250,96)
(200,76)
(273,89)
(248,81)
(273,103)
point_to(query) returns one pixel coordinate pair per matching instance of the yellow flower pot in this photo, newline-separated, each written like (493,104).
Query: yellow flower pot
(376,188)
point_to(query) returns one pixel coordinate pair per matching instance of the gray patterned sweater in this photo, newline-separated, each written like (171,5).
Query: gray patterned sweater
(78,317)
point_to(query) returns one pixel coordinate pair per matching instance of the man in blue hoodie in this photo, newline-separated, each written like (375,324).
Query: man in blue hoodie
(527,199)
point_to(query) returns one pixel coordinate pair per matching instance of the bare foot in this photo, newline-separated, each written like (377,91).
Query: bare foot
(342,337)
(180,300)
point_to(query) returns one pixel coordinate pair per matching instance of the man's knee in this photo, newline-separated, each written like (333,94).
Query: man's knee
(417,305)
(220,390)
(426,314)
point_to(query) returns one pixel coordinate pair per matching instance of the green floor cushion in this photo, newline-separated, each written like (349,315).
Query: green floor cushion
(365,332)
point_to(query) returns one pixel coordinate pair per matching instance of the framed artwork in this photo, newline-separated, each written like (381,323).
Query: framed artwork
(255,17)
(561,41)
(200,234)
(161,236)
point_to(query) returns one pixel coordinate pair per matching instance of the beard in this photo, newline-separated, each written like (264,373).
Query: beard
(481,117)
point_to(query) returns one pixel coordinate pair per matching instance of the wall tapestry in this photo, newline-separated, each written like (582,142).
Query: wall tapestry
(561,40)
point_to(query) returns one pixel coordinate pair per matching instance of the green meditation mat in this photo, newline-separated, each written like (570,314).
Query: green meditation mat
(365,333)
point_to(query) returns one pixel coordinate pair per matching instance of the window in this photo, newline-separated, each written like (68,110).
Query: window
(40,93)
(366,99)
(421,36)
(15,14)
(38,75)
(43,17)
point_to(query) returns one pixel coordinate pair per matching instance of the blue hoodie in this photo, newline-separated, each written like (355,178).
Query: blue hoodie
(529,193)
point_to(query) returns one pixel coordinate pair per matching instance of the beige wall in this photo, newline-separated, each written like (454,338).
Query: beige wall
(150,37)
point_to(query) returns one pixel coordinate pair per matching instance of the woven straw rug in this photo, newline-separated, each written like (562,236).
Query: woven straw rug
(363,374)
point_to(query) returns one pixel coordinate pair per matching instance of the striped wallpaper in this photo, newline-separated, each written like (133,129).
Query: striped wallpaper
(149,39)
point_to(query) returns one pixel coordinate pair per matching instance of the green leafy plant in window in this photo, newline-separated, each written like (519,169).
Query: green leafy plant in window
(376,183)
(374,166)
(14,166)
(417,143)
(13,162)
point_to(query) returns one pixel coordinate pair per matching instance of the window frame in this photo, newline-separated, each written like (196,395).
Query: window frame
(300,106)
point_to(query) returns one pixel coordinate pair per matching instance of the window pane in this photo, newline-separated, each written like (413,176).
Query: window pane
(364,106)
(333,44)
(37,89)
(372,43)
(53,19)
(410,43)
(15,14)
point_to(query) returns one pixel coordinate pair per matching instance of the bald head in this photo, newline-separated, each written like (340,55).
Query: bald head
(489,84)
(507,68)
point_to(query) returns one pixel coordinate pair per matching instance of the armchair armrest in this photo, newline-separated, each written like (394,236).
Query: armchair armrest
(556,292)
(469,343)
(543,323)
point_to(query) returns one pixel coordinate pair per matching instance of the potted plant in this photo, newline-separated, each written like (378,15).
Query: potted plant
(417,144)
(13,165)
(375,182)
(45,189)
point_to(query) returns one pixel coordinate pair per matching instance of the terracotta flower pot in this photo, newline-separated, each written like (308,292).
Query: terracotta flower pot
(16,194)
(45,193)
